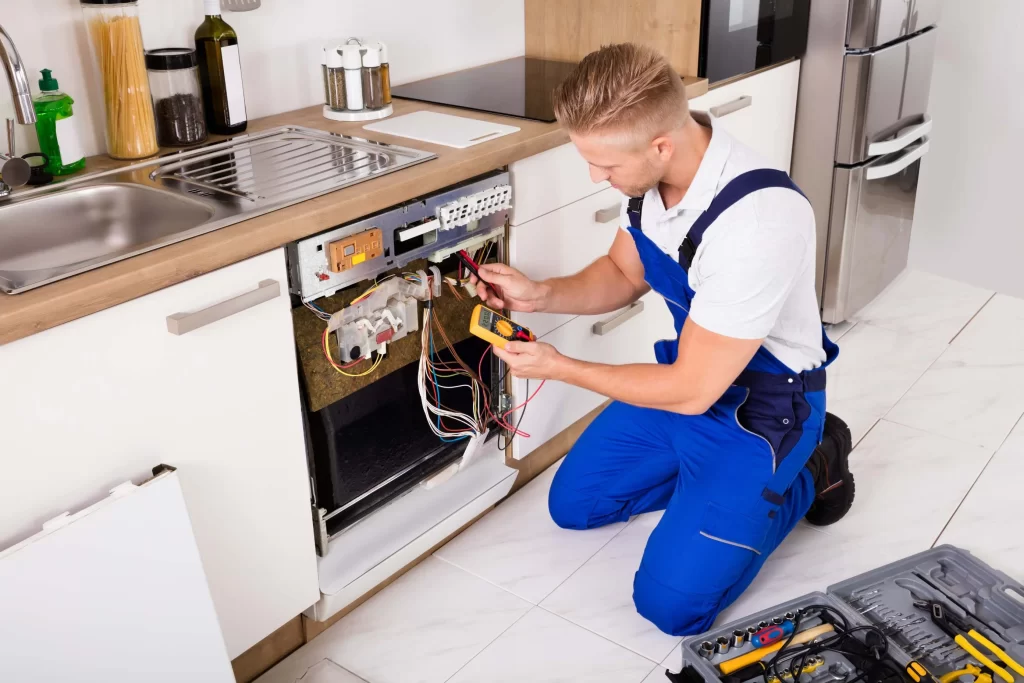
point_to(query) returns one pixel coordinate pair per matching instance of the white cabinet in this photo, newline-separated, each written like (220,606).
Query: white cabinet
(549,181)
(759,111)
(563,242)
(103,399)
(626,336)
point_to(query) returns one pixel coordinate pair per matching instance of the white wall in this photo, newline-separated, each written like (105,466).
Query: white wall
(969,221)
(280,45)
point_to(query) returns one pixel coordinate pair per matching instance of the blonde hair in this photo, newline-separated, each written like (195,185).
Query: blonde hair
(627,89)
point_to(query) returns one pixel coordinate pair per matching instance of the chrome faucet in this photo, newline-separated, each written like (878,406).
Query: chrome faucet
(13,170)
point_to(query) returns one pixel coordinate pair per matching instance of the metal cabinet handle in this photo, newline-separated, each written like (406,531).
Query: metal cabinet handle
(906,136)
(741,102)
(607,215)
(603,327)
(891,169)
(183,323)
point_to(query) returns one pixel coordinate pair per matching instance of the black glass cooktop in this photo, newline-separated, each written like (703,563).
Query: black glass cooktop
(515,87)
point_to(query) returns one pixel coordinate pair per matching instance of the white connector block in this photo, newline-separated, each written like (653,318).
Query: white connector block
(474,207)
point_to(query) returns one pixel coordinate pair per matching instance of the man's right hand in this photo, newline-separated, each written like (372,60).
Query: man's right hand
(511,289)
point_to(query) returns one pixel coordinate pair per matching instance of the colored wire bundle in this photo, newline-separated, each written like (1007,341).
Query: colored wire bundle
(868,653)
(431,371)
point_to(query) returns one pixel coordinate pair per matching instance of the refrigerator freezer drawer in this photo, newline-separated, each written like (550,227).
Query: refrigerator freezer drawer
(884,92)
(869,230)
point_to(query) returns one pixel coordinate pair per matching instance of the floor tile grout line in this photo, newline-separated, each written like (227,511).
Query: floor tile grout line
(988,464)
(585,562)
(610,640)
(531,603)
(976,314)
(956,439)
(604,637)
(493,640)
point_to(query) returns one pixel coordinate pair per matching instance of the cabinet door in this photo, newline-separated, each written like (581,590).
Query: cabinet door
(549,181)
(105,398)
(759,111)
(619,338)
(561,243)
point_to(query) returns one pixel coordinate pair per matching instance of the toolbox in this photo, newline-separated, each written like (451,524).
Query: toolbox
(940,616)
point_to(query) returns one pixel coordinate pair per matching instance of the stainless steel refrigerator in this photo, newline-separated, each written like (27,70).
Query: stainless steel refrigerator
(862,128)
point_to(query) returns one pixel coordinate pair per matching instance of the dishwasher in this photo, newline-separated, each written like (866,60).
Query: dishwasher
(405,411)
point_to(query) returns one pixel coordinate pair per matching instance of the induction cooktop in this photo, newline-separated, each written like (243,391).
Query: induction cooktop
(519,87)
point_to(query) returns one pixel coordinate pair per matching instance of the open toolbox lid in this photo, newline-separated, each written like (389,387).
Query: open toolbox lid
(982,604)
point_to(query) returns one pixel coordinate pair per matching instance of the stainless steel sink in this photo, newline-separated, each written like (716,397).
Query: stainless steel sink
(88,226)
(55,232)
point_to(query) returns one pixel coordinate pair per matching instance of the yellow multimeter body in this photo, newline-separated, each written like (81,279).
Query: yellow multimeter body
(495,328)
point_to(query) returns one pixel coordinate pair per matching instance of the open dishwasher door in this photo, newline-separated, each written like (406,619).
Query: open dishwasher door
(115,593)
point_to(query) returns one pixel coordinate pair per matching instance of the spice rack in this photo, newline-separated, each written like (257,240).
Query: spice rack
(357,81)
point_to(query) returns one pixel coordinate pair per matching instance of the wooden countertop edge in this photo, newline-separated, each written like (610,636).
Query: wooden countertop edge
(22,315)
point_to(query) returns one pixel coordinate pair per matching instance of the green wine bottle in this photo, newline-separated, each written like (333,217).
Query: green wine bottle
(220,73)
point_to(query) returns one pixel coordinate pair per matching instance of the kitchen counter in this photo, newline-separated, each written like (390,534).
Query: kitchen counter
(22,315)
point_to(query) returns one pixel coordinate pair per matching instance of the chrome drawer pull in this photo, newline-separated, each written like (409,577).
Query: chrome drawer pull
(741,102)
(183,323)
(607,215)
(603,327)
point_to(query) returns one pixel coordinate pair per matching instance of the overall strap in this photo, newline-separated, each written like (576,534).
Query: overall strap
(737,188)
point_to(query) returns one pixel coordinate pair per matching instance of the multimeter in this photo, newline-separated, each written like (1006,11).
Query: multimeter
(495,328)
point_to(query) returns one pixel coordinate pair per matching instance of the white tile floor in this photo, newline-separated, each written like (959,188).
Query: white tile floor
(929,381)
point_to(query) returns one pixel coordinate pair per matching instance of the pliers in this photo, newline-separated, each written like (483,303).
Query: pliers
(956,627)
(980,675)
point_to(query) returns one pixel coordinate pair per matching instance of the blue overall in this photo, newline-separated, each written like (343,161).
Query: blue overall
(732,482)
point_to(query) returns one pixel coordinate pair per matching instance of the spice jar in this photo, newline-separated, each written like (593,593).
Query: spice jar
(385,72)
(177,98)
(116,39)
(373,90)
(334,80)
(353,64)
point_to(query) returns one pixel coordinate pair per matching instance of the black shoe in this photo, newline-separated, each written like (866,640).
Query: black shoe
(833,482)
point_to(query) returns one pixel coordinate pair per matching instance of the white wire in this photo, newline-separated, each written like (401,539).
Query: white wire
(472,422)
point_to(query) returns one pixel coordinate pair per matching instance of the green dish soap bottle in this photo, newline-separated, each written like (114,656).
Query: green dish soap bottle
(55,128)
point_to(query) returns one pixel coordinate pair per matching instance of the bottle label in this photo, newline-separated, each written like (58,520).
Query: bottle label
(70,143)
(233,85)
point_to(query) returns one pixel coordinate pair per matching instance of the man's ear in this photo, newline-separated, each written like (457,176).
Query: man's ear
(663,146)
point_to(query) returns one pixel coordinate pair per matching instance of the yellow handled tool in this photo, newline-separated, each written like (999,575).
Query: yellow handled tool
(985,661)
(737,663)
(969,670)
(919,674)
(997,651)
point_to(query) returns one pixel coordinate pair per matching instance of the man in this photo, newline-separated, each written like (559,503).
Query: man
(720,432)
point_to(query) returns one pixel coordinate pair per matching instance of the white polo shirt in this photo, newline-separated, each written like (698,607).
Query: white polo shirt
(753,273)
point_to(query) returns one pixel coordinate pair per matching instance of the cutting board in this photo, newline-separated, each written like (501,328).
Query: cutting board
(442,129)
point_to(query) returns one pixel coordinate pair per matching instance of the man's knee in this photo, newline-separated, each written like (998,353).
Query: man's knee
(567,507)
(675,613)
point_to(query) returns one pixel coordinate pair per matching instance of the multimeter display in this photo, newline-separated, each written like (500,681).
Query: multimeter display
(496,328)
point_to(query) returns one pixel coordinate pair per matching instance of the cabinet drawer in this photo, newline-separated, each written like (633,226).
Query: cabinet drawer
(759,111)
(548,181)
(561,243)
(558,405)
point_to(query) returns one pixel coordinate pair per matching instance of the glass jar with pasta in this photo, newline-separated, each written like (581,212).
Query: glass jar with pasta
(116,39)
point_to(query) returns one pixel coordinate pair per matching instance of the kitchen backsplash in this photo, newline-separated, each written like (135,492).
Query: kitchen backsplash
(280,46)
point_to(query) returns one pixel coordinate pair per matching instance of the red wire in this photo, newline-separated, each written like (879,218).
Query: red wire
(501,421)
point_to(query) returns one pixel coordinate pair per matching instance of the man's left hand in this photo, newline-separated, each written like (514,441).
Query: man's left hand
(532,360)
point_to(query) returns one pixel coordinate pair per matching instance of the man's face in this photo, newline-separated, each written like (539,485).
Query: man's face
(631,169)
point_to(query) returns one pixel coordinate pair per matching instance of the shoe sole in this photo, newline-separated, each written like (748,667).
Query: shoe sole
(839,432)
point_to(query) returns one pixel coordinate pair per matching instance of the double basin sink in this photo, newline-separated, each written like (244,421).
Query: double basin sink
(54,232)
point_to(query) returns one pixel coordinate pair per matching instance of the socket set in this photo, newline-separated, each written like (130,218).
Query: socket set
(942,611)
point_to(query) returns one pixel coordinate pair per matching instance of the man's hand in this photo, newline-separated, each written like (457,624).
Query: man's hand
(517,292)
(533,360)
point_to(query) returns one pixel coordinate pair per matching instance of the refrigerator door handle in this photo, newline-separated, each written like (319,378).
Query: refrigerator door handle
(894,167)
(906,136)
